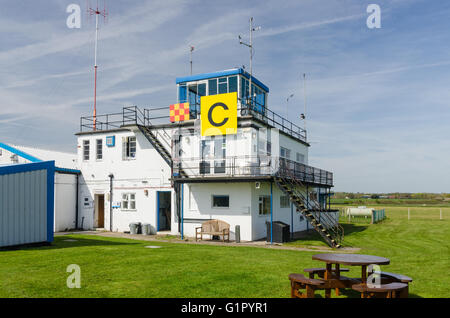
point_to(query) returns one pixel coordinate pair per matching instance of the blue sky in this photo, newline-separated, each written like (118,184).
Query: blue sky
(378,99)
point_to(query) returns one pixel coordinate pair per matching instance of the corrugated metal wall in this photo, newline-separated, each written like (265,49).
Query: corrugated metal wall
(26,203)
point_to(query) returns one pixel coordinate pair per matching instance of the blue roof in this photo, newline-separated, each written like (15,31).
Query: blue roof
(19,153)
(33,159)
(234,71)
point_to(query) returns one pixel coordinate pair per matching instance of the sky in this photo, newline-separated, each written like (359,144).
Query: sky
(378,100)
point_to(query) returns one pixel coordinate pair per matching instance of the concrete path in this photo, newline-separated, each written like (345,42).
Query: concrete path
(177,239)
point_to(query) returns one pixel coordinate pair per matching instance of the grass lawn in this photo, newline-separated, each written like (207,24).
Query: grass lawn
(114,267)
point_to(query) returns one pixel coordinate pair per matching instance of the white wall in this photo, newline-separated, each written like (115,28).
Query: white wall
(65,201)
(198,205)
(279,214)
(147,173)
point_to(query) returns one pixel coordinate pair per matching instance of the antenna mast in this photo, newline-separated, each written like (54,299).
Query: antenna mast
(250,46)
(304,101)
(104,14)
(191,50)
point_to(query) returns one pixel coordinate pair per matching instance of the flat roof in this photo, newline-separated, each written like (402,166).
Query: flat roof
(234,71)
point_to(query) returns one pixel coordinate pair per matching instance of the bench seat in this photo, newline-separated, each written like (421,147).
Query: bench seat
(213,227)
(391,290)
(299,281)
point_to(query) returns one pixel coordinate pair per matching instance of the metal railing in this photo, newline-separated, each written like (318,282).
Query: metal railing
(274,120)
(319,212)
(130,115)
(152,116)
(251,166)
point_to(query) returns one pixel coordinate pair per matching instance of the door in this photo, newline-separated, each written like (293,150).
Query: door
(99,211)
(164,208)
(213,155)
(195,92)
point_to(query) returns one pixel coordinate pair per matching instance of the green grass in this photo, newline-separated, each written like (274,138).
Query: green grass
(114,267)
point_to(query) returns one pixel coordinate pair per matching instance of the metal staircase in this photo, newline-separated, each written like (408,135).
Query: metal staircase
(156,143)
(323,223)
(141,119)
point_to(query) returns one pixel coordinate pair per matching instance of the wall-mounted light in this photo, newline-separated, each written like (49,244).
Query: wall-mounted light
(146,192)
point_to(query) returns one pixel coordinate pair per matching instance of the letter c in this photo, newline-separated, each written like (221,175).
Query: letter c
(210,115)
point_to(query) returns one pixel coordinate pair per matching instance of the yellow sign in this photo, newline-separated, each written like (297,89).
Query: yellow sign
(219,114)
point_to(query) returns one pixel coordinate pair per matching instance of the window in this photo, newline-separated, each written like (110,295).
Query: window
(85,149)
(264,205)
(232,84)
(99,152)
(128,201)
(182,93)
(221,201)
(212,87)
(300,158)
(223,85)
(129,148)
(284,201)
(285,153)
(220,152)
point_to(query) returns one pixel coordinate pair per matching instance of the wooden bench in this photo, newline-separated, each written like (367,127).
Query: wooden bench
(387,278)
(213,227)
(391,290)
(298,281)
(321,273)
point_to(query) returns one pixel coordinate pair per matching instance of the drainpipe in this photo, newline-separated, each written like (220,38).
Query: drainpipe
(292,221)
(307,206)
(111,176)
(182,211)
(76,204)
(271,213)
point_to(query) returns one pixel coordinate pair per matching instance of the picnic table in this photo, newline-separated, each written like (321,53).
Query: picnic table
(333,276)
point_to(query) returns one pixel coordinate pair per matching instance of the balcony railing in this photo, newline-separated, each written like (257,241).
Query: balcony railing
(249,166)
(273,119)
(130,115)
(151,116)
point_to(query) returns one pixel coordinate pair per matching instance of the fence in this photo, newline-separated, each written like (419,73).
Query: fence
(378,215)
(363,214)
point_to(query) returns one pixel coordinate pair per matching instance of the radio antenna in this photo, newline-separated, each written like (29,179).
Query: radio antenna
(250,46)
(190,53)
(303,116)
(104,14)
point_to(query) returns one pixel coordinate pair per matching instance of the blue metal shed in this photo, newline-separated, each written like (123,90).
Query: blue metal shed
(26,203)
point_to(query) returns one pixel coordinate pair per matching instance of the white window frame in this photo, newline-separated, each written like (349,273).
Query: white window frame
(287,153)
(126,200)
(87,143)
(97,148)
(127,149)
(261,201)
(288,202)
(297,157)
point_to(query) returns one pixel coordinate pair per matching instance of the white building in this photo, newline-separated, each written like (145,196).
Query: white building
(66,179)
(138,166)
